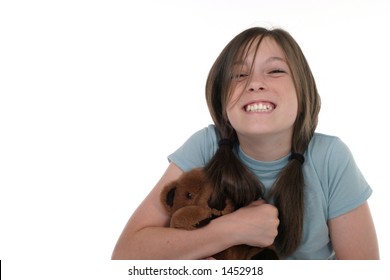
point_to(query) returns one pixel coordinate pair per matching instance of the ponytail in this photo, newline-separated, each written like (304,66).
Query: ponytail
(288,195)
(231,178)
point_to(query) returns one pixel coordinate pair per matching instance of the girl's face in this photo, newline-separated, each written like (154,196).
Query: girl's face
(263,100)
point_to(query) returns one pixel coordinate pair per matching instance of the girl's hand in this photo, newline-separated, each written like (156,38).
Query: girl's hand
(255,225)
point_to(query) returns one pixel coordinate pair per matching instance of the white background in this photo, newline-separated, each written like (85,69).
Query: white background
(96,94)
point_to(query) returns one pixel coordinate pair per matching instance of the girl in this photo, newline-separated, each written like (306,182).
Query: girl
(263,100)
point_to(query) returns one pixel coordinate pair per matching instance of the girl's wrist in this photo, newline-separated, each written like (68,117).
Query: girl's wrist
(226,231)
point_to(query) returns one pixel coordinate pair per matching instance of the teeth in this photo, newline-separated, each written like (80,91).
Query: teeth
(259,107)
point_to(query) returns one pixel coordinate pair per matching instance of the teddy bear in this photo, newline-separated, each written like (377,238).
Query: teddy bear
(187,201)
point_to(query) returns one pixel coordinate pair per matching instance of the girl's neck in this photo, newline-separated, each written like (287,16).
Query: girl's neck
(265,148)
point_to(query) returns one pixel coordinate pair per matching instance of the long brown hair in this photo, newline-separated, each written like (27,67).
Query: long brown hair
(230,176)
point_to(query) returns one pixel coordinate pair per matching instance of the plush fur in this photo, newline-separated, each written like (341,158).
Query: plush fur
(186,199)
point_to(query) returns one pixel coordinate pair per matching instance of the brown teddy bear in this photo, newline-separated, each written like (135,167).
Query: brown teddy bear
(186,199)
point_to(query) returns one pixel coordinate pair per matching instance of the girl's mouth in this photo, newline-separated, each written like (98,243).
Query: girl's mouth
(260,107)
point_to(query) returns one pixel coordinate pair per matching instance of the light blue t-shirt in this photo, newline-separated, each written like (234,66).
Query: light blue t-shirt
(334,184)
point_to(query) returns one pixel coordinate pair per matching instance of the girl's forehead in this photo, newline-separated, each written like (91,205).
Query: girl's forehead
(265,47)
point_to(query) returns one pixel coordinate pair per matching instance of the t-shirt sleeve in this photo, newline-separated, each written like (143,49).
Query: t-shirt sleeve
(197,150)
(348,188)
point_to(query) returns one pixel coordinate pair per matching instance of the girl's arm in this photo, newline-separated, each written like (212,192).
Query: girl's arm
(353,235)
(147,235)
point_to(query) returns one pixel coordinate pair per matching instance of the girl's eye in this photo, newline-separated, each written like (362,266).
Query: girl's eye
(277,71)
(239,76)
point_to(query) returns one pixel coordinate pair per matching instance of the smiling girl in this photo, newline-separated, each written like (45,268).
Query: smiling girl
(264,103)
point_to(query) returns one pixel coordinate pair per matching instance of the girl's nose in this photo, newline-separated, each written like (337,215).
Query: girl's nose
(256,84)
(256,88)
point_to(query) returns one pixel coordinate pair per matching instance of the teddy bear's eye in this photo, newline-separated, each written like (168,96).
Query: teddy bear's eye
(189,195)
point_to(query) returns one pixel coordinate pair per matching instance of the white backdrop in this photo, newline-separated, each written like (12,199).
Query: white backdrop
(96,94)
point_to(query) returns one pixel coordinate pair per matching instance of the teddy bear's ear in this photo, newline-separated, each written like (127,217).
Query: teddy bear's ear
(170,196)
